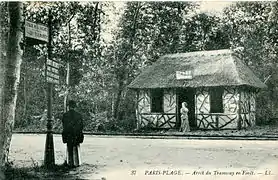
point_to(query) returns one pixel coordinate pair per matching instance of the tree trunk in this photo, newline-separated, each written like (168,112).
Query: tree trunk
(25,96)
(122,74)
(11,78)
(68,71)
(3,23)
(118,99)
(67,87)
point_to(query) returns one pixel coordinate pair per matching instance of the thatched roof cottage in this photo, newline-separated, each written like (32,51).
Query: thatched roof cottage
(219,88)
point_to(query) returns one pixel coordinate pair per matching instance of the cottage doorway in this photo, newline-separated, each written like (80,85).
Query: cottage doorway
(188,96)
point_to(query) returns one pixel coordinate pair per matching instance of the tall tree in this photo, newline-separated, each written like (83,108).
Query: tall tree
(203,31)
(9,85)
(83,53)
(254,38)
(147,31)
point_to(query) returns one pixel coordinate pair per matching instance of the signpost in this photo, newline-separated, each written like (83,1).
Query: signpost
(41,34)
(49,158)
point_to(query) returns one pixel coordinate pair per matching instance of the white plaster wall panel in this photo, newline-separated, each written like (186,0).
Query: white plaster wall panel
(229,120)
(169,101)
(200,121)
(230,100)
(138,117)
(252,102)
(244,102)
(144,102)
(253,108)
(158,120)
(252,118)
(202,101)
(204,121)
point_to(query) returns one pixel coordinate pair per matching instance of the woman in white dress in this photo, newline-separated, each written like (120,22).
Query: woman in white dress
(184,118)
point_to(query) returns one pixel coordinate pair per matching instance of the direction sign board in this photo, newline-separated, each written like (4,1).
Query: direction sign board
(52,71)
(52,80)
(52,63)
(36,31)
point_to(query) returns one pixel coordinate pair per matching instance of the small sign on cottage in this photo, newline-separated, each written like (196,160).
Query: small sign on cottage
(184,74)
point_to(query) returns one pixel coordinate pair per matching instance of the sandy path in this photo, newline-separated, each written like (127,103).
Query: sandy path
(118,157)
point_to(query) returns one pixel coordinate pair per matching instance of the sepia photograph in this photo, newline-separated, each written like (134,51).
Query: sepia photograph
(139,90)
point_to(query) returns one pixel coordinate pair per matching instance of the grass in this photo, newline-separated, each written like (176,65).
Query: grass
(59,172)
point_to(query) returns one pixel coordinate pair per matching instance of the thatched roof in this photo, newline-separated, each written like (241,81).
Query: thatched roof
(209,68)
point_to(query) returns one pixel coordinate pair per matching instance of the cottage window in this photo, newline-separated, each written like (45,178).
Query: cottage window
(157,100)
(216,101)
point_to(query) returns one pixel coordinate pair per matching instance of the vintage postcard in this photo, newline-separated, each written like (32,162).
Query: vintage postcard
(140,90)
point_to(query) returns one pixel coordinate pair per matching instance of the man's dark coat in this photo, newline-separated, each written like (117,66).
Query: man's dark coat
(72,127)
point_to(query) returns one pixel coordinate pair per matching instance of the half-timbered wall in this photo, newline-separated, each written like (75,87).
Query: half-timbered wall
(236,103)
(229,120)
(247,108)
(145,117)
(226,120)
(252,115)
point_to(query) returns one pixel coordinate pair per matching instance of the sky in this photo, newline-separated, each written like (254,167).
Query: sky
(208,5)
(214,6)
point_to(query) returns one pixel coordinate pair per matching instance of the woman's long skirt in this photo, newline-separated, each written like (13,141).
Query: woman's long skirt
(73,155)
(185,124)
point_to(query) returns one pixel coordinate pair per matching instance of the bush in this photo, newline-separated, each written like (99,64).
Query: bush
(266,108)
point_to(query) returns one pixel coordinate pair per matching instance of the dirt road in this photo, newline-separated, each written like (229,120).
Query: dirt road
(134,159)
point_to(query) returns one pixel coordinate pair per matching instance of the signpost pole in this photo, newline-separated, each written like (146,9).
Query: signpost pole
(49,158)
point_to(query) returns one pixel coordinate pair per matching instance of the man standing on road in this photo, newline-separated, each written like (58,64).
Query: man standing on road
(72,134)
